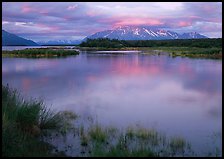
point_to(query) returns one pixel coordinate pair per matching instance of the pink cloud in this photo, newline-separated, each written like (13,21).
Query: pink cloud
(208,8)
(72,7)
(41,25)
(43,12)
(138,21)
(27,9)
(89,18)
(91,13)
(53,28)
(48,28)
(122,21)
(184,24)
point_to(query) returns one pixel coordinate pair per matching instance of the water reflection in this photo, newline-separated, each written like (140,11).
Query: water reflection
(179,96)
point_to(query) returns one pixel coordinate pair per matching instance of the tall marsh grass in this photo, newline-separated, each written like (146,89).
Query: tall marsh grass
(23,122)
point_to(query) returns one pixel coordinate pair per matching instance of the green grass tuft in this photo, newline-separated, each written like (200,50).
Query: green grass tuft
(98,134)
(23,122)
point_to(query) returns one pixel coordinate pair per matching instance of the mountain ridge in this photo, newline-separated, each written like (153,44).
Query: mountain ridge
(9,39)
(120,33)
(60,42)
(143,33)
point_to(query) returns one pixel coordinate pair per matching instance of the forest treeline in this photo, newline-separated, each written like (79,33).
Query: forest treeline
(114,43)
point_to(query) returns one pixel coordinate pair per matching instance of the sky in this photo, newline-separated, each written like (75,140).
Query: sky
(43,21)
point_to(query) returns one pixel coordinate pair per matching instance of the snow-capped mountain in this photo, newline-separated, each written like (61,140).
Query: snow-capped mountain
(60,42)
(192,35)
(9,39)
(143,33)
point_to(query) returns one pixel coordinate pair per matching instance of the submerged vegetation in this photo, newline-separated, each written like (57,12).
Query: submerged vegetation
(135,142)
(27,126)
(40,53)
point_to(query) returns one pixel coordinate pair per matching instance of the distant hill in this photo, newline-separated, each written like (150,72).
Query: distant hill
(9,39)
(143,33)
(60,42)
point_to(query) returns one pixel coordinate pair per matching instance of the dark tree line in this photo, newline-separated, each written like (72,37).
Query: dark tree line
(114,43)
(102,42)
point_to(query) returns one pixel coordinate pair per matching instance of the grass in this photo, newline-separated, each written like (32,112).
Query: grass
(118,151)
(177,145)
(39,53)
(192,52)
(23,123)
(98,134)
(132,142)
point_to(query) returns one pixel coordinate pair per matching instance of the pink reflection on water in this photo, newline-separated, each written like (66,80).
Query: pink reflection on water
(26,83)
(45,64)
(44,80)
(186,70)
(136,69)
(92,78)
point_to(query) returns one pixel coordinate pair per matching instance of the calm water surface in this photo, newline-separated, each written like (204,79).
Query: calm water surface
(178,96)
(10,48)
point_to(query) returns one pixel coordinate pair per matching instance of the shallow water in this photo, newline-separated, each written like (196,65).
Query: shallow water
(178,96)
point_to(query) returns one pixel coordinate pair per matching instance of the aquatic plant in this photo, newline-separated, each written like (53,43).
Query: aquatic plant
(97,133)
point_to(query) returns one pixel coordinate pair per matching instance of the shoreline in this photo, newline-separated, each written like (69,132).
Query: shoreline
(63,51)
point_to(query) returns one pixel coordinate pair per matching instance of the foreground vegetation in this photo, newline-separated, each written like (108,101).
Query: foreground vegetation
(40,53)
(134,141)
(23,124)
(194,48)
(27,126)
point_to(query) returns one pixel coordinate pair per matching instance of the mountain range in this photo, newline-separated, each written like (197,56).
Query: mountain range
(120,33)
(9,39)
(143,33)
(60,42)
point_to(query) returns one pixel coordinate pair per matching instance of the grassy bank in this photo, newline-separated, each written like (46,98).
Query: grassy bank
(191,52)
(39,53)
(193,48)
(24,123)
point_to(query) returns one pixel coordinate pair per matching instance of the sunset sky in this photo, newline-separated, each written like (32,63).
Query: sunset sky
(42,21)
